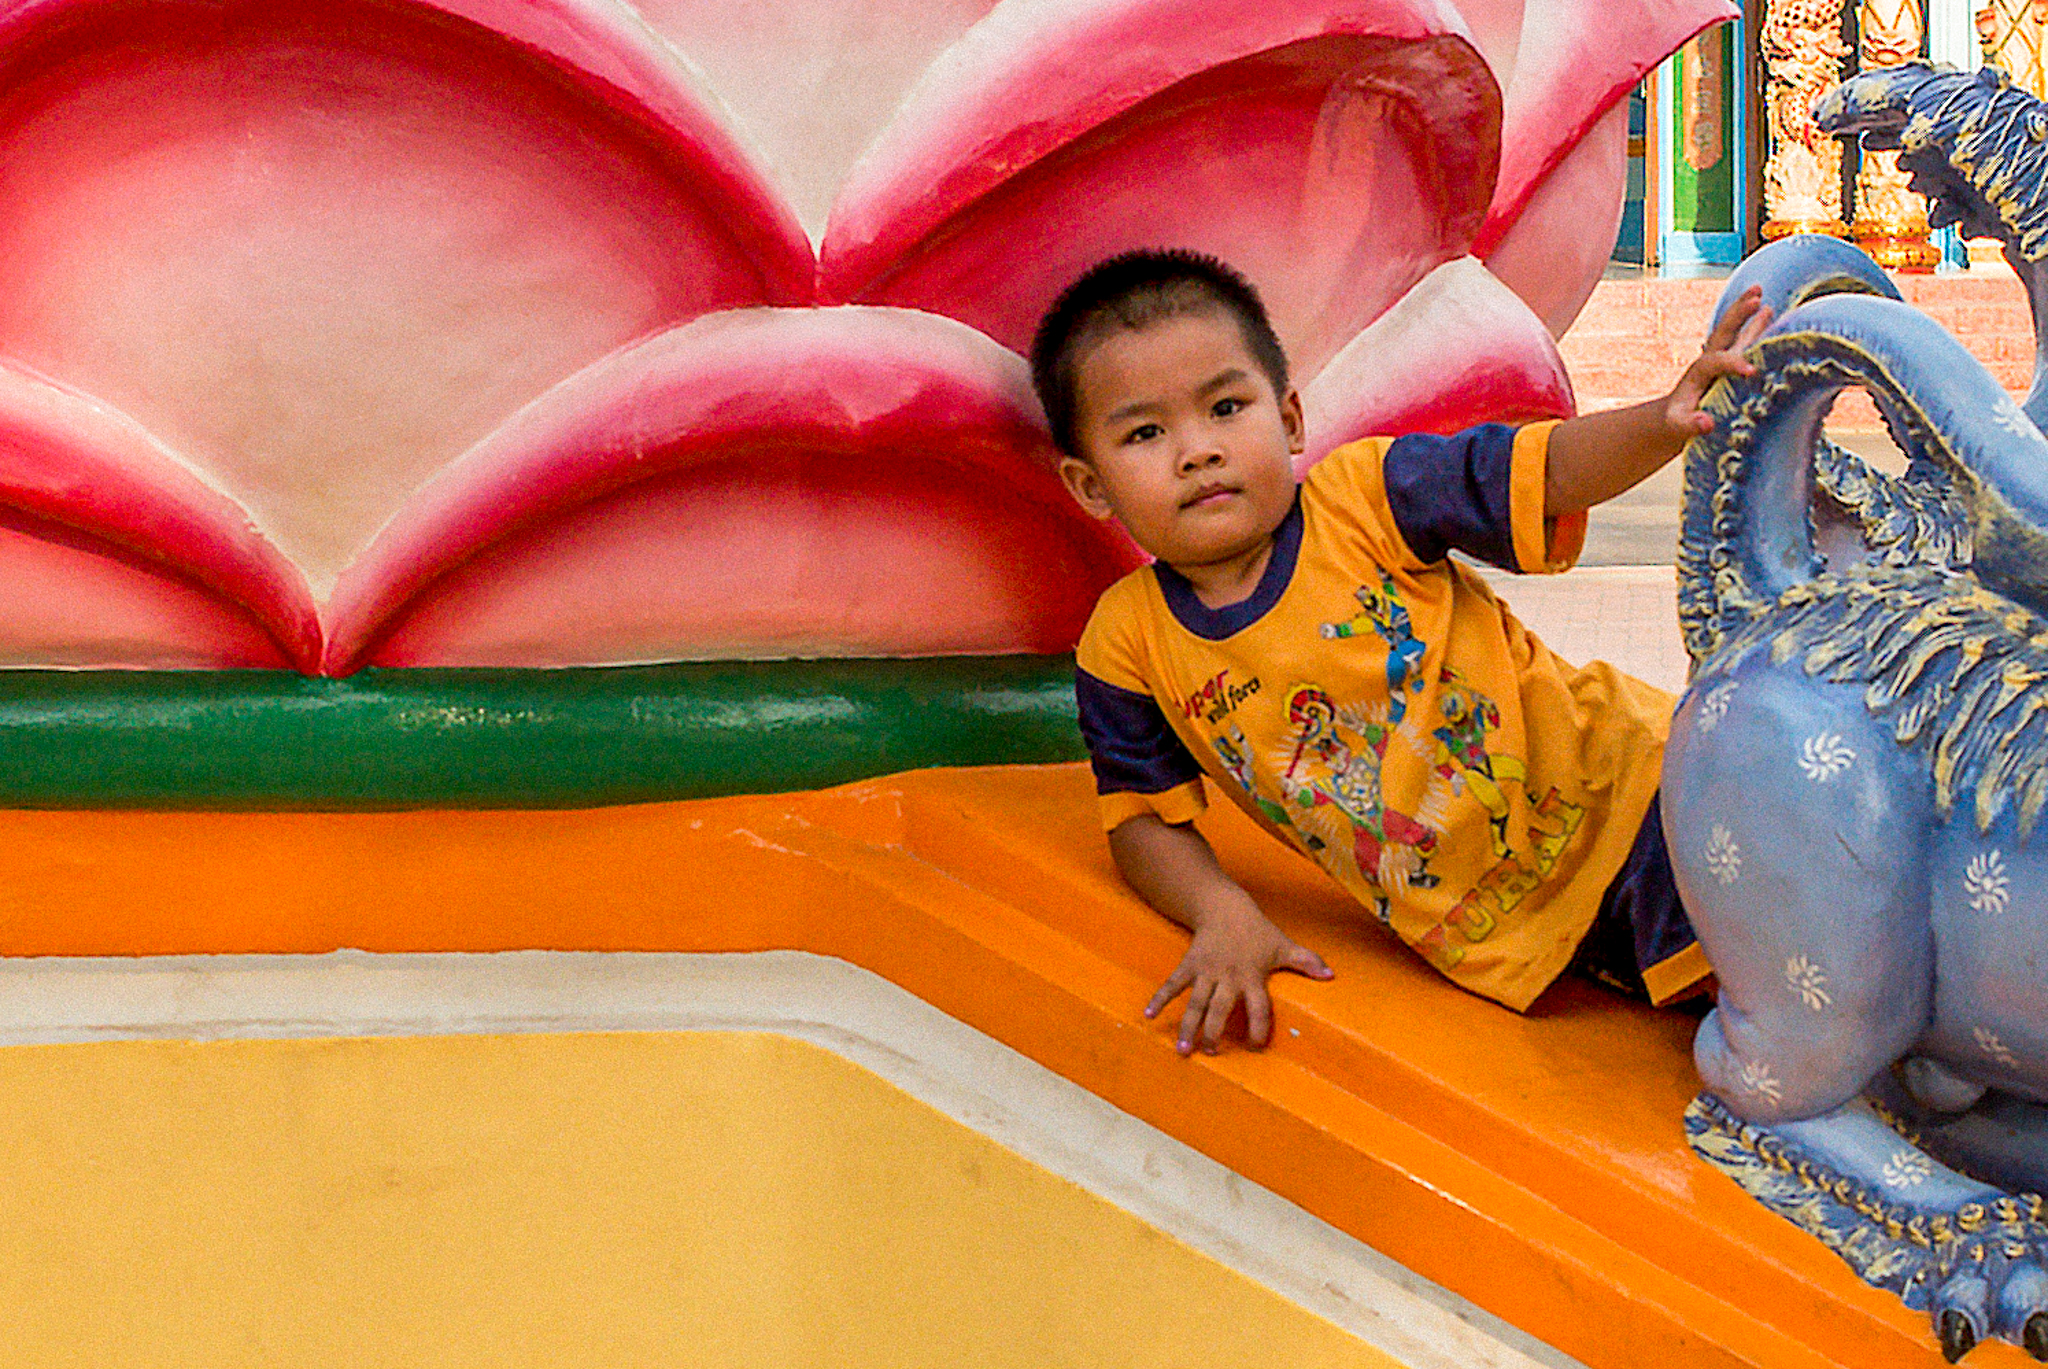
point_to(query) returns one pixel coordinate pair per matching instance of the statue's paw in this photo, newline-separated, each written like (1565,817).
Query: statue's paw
(1973,1258)
(1988,1275)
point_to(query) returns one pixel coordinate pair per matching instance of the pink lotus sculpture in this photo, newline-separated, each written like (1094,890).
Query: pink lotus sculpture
(558,332)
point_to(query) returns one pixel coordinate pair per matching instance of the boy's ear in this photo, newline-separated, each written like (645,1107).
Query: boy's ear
(1085,484)
(1296,425)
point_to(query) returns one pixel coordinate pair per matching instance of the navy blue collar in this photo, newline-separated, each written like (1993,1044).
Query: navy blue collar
(1214,624)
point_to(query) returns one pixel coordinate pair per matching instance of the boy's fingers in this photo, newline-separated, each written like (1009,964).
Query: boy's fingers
(1710,367)
(1191,1020)
(1713,365)
(1739,327)
(1218,1017)
(1258,1015)
(1736,334)
(1689,417)
(1753,329)
(1730,326)
(1170,990)
(1302,960)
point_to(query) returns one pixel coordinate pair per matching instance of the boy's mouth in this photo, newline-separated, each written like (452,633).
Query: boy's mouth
(1209,496)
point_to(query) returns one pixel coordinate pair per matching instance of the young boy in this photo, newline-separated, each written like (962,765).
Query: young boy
(1311,649)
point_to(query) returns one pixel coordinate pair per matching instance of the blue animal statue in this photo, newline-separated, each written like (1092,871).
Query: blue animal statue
(1861,757)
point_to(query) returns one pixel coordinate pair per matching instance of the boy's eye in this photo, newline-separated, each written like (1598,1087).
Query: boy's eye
(1224,408)
(1144,432)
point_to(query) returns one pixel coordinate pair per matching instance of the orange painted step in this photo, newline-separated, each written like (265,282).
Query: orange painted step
(1534,1164)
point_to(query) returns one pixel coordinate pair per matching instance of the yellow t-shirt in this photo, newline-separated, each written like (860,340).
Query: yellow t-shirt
(1373,705)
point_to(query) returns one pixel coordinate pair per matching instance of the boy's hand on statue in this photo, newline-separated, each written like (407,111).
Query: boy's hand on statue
(1741,326)
(1227,964)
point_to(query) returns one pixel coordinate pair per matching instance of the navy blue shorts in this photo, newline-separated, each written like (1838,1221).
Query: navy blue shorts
(1641,943)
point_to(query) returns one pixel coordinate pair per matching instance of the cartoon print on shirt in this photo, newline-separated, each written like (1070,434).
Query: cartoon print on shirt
(1380,609)
(1330,782)
(1236,755)
(1500,892)
(1336,765)
(1461,755)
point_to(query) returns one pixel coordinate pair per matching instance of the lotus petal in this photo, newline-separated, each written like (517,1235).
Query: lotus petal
(314,263)
(1460,348)
(614,61)
(1564,65)
(760,483)
(811,82)
(1335,153)
(113,552)
(320,250)
(1571,62)
(68,601)
(1554,254)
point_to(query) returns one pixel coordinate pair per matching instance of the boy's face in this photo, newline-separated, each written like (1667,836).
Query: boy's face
(1183,440)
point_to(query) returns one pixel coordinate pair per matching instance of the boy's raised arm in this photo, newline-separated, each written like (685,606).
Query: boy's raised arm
(1235,947)
(1597,456)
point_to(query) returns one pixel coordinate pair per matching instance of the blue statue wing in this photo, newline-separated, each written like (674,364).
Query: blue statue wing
(1903,519)
(1952,666)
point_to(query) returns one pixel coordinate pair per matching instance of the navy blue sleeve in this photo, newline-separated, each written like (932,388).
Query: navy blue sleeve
(1130,745)
(1451,493)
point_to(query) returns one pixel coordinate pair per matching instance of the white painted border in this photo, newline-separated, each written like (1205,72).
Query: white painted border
(860,1016)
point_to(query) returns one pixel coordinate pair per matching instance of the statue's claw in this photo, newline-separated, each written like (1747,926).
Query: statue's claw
(1958,1336)
(1997,1285)
(2035,1336)
(1961,1312)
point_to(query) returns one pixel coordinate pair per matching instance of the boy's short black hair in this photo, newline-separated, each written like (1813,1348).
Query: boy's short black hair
(1135,290)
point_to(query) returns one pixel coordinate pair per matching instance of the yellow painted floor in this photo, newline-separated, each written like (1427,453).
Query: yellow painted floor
(603,1200)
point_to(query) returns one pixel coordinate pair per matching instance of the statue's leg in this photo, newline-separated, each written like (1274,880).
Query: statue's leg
(1797,834)
(1972,1093)
(1986,1048)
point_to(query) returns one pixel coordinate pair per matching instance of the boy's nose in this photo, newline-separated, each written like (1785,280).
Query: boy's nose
(1196,458)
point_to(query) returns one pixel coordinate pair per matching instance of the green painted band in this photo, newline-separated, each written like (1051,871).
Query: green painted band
(384,739)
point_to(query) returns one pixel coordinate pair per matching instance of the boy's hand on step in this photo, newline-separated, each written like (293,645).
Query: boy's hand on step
(1226,965)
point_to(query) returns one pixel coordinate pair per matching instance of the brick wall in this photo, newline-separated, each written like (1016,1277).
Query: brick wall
(1634,337)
